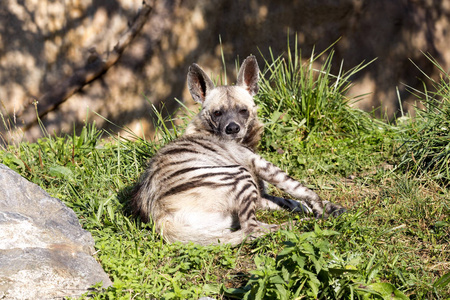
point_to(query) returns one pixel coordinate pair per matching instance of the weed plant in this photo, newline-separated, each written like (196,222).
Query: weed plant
(392,244)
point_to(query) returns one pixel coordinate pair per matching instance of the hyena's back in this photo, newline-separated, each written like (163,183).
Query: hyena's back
(203,189)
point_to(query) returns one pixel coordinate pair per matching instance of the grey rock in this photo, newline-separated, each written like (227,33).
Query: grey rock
(44,252)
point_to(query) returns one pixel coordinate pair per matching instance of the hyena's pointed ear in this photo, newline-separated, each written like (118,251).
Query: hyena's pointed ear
(199,83)
(249,75)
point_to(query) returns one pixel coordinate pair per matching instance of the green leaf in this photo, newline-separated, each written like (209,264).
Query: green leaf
(317,229)
(314,283)
(340,271)
(261,289)
(439,224)
(443,281)
(12,161)
(307,248)
(387,291)
(275,117)
(211,288)
(291,236)
(372,273)
(301,160)
(299,260)
(277,280)
(323,246)
(282,292)
(327,232)
(286,251)
(285,273)
(61,172)
(236,293)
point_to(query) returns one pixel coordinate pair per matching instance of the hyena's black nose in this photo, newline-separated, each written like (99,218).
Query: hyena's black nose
(232,128)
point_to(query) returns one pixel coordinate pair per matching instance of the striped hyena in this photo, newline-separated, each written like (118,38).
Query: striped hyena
(206,186)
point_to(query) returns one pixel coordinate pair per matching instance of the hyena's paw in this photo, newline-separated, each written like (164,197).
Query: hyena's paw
(332,209)
(301,208)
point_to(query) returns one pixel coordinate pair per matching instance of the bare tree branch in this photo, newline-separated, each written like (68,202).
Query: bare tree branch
(87,74)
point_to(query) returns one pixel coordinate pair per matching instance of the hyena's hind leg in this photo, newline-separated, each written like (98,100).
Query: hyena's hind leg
(237,237)
(249,200)
(250,229)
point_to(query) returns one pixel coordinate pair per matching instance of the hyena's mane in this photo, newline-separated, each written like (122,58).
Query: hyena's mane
(253,136)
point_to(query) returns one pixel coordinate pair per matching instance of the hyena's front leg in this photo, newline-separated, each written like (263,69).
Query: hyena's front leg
(270,202)
(274,175)
(275,203)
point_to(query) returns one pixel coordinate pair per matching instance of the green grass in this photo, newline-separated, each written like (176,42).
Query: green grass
(305,96)
(426,149)
(394,241)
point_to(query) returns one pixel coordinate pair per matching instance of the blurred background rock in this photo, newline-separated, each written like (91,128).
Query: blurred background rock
(43,43)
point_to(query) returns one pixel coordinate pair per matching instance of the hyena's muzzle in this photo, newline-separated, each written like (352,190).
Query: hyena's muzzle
(231,123)
(232,128)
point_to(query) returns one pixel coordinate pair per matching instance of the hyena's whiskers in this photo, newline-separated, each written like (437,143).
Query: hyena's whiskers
(205,187)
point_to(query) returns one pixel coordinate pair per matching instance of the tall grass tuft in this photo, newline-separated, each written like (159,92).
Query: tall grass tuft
(296,95)
(426,149)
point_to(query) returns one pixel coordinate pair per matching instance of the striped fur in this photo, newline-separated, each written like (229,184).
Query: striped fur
(204,189)
(206,186)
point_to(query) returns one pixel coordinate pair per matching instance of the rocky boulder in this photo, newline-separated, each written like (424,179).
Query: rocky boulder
(44,252)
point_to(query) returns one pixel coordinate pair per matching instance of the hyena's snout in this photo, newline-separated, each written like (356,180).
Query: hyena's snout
(232,128)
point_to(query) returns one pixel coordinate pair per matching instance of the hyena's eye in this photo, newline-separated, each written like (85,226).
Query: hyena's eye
(217,113)
(243,111)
